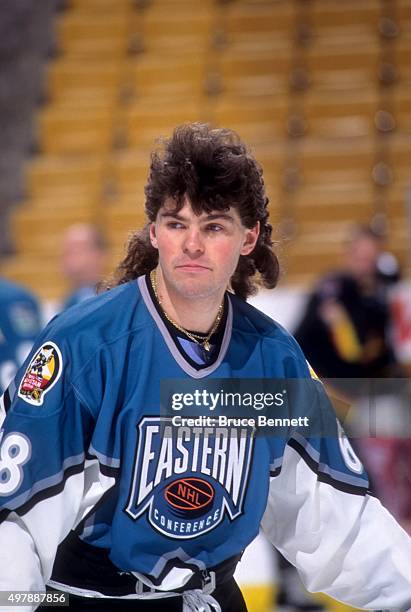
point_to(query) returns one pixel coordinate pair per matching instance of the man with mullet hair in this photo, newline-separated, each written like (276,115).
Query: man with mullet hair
(101,503)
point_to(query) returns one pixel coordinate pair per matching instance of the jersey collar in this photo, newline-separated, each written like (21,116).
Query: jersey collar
(169,340)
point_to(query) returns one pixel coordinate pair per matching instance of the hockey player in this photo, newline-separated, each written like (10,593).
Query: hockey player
(83,258)
(20,323)
(103,500)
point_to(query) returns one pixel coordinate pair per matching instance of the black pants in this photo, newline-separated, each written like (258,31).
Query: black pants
(228,596)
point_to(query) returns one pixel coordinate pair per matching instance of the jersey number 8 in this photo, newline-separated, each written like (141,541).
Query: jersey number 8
(15,451)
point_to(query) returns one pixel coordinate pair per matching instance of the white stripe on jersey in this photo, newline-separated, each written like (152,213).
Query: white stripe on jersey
(2,411)
(28,543)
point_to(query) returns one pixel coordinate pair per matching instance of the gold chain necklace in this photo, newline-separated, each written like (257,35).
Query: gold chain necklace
(202,341)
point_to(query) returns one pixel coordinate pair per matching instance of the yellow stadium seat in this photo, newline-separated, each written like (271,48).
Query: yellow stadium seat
(257,121)
(95,25)
(102,95)
(39,232)
(160,22)
(179,5)
(121,219)
(152,76)
(401,108)
(343,58)
(96,6)
(145,123)
(362,78)
(340,203)
(127,75)
(129,166)
(301,266)
(349,13)
(343,114)
(93,49)
(255,63)
(333,154)
(66,74)
(56,197)
(259,17)
(82,130)
(167,45)
(399,154)
(46,173)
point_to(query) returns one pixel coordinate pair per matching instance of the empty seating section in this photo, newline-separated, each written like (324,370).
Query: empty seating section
(321,90)
(26,41)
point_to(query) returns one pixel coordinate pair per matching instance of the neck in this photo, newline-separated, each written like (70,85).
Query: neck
(192,313)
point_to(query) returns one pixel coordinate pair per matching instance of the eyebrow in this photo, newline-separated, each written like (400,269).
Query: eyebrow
(210,217)
(220,215)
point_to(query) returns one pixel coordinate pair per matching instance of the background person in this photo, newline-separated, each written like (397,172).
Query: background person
(344,330)
(20,323)
(345,334)
(83,260)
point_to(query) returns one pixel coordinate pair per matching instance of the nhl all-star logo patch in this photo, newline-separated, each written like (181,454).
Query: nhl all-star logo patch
(186,480)
(42,374)
(190,496)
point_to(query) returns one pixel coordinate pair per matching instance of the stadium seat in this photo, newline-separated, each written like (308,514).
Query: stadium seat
(39,233)
(345,114)
(144,123)
(46,174)
(64,75)
(300,82)
(348,14)
(79,131)
(258,18)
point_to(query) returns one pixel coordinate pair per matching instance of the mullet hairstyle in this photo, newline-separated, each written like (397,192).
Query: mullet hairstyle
(215,171)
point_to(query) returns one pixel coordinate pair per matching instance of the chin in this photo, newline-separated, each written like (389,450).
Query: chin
(192,289)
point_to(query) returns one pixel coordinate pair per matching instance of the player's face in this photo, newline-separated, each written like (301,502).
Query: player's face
(362,256)
(199,253)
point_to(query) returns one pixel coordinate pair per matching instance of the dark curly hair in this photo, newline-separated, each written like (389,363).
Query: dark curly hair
(214,169)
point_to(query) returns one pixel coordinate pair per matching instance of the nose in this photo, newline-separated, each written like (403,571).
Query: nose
(193,244)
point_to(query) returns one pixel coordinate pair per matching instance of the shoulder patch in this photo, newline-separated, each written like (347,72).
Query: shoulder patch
(42,374)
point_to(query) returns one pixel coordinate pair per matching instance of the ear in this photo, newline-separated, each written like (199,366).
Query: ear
(153,238)
(250,239)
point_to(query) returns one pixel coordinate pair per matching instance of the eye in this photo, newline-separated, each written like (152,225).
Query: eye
(175,225)
(214,227)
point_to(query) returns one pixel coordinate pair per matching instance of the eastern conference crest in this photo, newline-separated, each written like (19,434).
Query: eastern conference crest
(41,375)
(187,479)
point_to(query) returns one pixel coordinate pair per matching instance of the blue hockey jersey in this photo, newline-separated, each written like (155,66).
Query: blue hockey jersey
(19,327)
(84,447)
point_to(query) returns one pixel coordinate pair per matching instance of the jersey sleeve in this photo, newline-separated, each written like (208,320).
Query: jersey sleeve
(322,518)
(47,480)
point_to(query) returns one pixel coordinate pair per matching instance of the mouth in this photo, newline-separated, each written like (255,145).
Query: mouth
(192,268)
